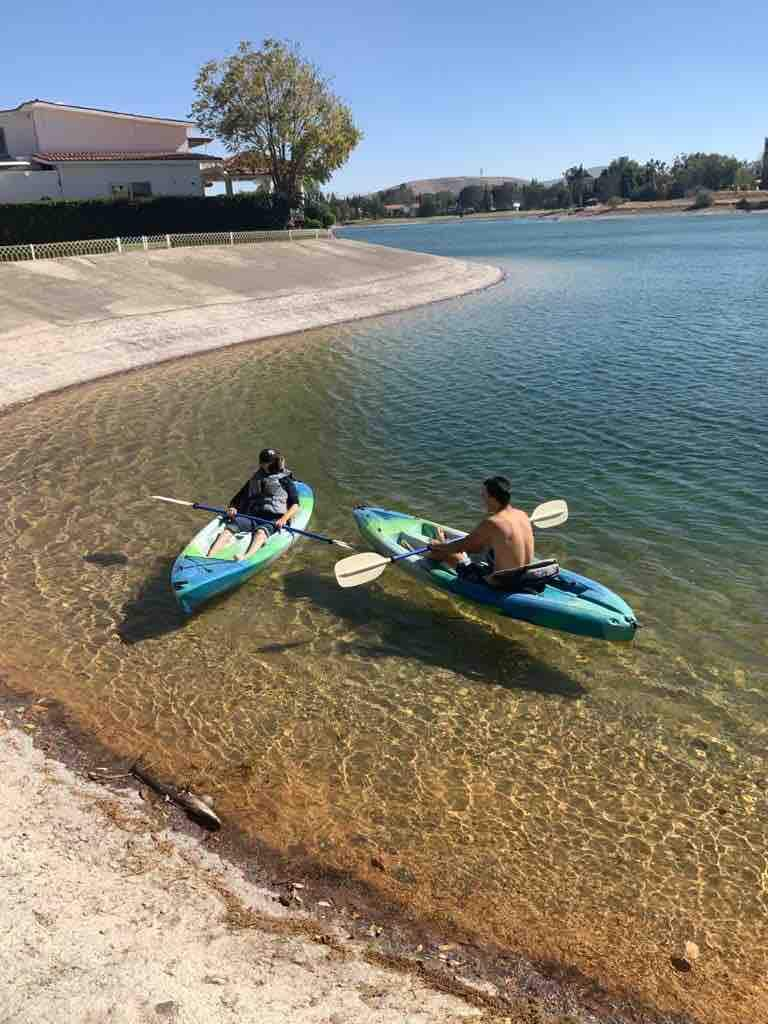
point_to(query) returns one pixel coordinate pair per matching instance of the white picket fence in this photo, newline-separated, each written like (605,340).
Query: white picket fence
(137,243)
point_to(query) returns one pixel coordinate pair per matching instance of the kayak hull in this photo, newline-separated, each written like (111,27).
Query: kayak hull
(196,578)
(569,603)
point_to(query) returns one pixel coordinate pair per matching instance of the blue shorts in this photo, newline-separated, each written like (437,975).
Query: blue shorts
(242,524)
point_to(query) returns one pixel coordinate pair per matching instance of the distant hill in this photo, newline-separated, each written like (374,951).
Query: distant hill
(455,185)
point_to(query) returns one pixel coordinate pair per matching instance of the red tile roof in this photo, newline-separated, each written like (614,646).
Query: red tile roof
(55,158)
(245,163)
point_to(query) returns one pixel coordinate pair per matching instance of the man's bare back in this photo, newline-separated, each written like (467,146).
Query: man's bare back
(510,536)
(506,531)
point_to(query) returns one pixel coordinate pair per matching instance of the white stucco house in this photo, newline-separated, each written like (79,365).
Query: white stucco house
(55,151)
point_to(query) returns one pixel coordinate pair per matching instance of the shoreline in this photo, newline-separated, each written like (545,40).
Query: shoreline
(630,208)
(358,942)
(501,984)
(133,851)
(167,305)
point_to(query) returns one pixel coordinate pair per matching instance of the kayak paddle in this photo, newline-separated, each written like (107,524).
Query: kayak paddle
(368,566)
(255,519)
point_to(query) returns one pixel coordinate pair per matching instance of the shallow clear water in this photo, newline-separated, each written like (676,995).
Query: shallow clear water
(570,798)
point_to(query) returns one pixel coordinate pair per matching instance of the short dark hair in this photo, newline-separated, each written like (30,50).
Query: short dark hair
(499,488)
(267,454)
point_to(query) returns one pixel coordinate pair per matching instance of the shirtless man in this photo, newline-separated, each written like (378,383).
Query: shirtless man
(505,533)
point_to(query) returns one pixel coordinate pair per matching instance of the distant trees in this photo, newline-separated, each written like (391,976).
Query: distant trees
(446,201)
(401,195)
(576,179)
(471,198)
(623,179)
(505,196)
(537,196)
(705,170)
(428,206)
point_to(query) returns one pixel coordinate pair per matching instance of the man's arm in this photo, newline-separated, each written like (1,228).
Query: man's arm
(293,504)
(238,501)
(472,544)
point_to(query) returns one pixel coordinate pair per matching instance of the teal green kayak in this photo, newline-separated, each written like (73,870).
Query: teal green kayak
(196,578)
(569,602)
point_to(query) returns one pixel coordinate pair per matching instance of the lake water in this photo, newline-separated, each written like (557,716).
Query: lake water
(571,799)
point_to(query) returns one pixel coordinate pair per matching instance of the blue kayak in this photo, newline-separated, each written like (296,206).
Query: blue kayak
(569,602)
(196,578)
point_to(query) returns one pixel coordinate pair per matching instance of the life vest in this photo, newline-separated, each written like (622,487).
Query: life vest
(267,493)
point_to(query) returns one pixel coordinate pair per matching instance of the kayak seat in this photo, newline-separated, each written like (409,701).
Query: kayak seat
(529,579)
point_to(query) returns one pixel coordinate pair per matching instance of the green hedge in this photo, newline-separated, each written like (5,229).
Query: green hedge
(106,218)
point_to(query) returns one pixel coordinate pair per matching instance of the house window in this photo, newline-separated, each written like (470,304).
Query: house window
(136,190)
(3,149)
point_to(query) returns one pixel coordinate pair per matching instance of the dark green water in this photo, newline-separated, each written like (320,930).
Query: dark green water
(569,798)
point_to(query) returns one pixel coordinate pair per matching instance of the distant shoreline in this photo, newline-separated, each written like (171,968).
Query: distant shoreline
(721,205)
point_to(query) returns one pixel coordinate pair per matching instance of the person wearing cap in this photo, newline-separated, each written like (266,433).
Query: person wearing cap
(269,494)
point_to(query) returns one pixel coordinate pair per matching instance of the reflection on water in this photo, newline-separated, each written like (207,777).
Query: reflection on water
(579,801)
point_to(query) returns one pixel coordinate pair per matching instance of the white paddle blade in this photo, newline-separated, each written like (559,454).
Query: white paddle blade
(359,569)
(343,544)
(551,513)
(173,501)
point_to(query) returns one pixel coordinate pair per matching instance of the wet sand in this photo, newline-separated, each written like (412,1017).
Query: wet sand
(109,914)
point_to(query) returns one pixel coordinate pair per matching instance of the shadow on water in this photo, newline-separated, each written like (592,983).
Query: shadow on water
(153,612)
(106,558)
(393,627)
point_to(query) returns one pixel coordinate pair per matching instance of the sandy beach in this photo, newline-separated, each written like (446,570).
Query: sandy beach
(108,914)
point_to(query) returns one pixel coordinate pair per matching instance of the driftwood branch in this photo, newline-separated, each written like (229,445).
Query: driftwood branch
(195,808)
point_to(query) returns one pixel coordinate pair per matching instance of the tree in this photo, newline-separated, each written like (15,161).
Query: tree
(542,197)
(277,107)
(654,181)
(575,180)
(427,205)
(471,197)
(705,170)
(533,195)
(401,195)
(372,206)
(621,178)
(745,176)
(764,178)
(506,195)
(445,201)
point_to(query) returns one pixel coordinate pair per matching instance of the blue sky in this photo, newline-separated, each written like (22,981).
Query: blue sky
(438,88)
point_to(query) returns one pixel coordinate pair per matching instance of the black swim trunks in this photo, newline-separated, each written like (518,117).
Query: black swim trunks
(242,524)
